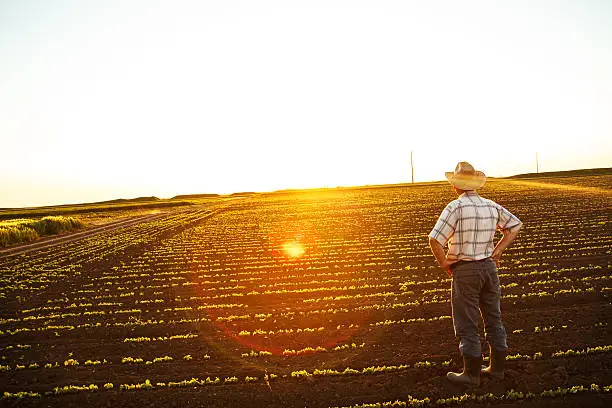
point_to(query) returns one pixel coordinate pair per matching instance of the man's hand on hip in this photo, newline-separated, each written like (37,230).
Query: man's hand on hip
(446,265)
(496,256)
(443,261)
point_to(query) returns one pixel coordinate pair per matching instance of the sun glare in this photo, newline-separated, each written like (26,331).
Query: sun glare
(293,249)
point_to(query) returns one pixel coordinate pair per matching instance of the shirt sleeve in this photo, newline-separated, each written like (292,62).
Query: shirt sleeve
(445,227)
(506,220)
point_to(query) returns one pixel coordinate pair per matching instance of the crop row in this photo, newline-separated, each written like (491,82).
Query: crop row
(370,370)
(59,326)
(485,399)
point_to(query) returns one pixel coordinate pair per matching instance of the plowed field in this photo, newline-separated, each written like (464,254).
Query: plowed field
(313,298)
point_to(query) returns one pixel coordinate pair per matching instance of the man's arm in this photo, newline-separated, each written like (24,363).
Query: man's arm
(441,233)
(438,251)
(508,237)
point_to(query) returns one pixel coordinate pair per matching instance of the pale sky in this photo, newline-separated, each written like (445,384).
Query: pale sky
(108,99)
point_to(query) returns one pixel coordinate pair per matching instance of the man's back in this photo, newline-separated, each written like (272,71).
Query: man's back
(469,223)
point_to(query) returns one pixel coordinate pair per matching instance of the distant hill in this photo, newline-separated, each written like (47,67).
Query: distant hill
(136,200)
(242,193)
(569,173)
(111,205)
(188,196)
(129,200)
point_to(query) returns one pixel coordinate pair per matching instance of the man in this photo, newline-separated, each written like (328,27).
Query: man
(468,225)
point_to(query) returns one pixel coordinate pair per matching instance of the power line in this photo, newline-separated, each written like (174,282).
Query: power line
(412,167)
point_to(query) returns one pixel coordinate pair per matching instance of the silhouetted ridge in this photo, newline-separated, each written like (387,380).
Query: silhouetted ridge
(569,173)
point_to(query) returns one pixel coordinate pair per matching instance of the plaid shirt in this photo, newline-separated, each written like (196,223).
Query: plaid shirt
(468,224)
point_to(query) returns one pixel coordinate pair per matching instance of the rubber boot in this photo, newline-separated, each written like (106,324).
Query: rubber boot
(497,361)
(470,376)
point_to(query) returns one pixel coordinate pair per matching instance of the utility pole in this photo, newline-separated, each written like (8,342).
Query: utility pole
(537,164)
(412,167)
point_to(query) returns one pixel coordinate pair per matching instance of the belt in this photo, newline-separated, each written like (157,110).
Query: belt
(464,261)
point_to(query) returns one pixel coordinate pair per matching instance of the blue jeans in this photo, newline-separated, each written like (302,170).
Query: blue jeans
(475,291)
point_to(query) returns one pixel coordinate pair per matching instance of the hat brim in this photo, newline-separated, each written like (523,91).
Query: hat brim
(465,181)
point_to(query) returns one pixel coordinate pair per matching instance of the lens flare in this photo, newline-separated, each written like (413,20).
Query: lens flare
(293,249)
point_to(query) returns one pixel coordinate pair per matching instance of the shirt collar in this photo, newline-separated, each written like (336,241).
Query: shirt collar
(471,193)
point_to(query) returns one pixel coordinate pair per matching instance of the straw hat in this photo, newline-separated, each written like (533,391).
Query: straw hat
(465,177)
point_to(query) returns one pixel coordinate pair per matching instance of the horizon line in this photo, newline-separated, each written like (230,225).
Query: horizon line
(292,190)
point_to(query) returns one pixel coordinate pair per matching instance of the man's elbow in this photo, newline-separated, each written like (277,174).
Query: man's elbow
(514,230)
